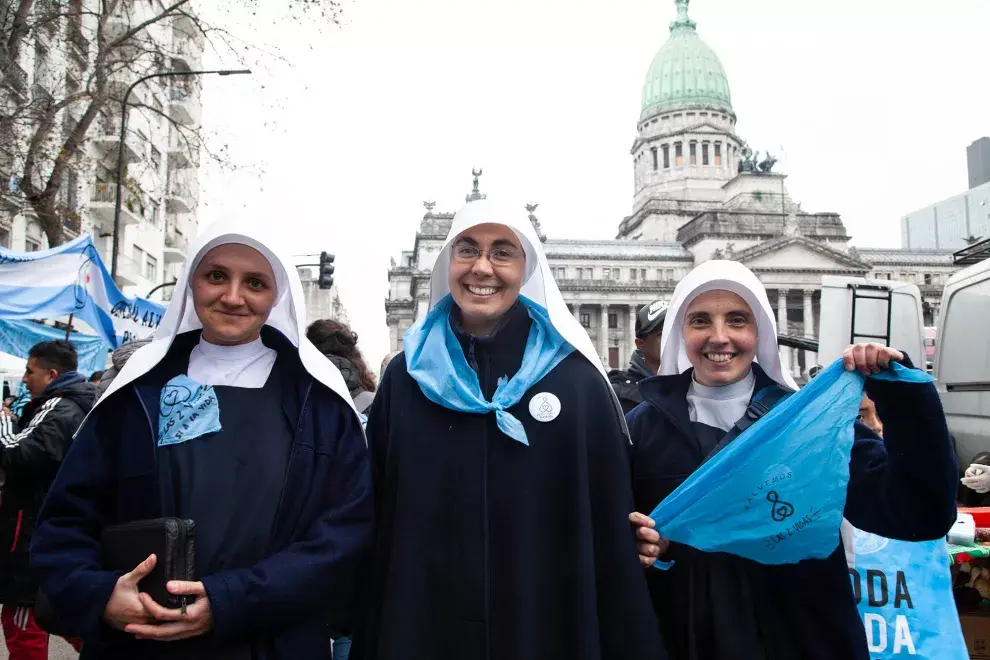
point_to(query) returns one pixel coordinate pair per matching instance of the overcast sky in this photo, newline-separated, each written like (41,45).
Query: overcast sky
(872,101)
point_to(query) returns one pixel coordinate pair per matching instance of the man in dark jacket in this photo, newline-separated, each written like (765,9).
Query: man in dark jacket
(645,361)
(32,450)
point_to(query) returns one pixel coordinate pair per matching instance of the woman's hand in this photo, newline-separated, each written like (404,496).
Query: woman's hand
(870,358)
(649,545)
(125,606)
(173,625)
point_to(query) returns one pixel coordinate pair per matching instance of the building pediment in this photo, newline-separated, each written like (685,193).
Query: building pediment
(798,253)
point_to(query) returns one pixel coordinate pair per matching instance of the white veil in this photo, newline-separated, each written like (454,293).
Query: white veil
(538,285)
(288,315)
(728,276)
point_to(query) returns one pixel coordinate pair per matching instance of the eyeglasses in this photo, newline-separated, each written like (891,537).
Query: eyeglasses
(498,256)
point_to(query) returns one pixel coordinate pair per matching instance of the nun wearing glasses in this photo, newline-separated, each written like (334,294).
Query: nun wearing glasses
(501,473)
(230,417)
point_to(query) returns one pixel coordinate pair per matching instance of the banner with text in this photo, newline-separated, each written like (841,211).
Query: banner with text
(72,279)
(904,593)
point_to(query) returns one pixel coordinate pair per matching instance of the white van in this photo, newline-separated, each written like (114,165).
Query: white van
(962,359)
(857,309)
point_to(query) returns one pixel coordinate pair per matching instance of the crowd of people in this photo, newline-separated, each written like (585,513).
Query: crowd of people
(485,497)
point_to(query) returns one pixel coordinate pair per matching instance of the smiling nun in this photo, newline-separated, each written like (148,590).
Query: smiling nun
(233,419)
(501,472)
(719,348)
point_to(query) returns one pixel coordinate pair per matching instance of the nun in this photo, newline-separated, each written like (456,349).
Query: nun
(719,349)
(501,472)
(273,470)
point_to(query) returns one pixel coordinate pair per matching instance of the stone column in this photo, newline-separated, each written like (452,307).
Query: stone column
(631,334)
(603,336)
(785,353)
(576,311)
(809,325)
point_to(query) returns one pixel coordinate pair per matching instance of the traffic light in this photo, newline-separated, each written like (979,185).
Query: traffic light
(326,270)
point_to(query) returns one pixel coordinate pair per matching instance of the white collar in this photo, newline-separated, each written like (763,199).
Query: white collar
(735,390)
(238,352)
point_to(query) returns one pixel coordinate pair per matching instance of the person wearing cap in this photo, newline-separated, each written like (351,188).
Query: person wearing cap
(501,472)
(645,360)
(720,350)
(230,418)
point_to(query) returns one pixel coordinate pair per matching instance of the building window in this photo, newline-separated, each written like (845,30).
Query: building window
(607,273)
(704,153)
(613,321)
(678,155)
(718,154)
(666,156)
(580,273)
(585,320)
(153,217)
(642,273)
(4,238)
(668,274)
(31,245)
(138,255)
(632,274)
(653,150)
(589,273)
(615,273)
(928,278)
(694,153)
(156,158)
(150,268)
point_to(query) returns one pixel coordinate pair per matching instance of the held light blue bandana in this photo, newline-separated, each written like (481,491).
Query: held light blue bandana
(777,492)
(435,360)
(188,410)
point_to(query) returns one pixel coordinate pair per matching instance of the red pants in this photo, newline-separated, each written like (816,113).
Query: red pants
(25,638)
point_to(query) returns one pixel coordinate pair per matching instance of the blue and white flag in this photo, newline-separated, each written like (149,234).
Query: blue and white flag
(71,279)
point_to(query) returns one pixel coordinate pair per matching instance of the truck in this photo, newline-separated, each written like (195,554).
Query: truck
(962,353)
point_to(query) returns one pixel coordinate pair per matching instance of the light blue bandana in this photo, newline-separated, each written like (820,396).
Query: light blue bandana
(188,410)
(435,360)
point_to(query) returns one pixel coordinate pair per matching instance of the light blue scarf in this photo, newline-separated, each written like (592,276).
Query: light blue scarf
(435,360)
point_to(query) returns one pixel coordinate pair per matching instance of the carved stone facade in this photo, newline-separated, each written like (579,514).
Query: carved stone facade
(699,194)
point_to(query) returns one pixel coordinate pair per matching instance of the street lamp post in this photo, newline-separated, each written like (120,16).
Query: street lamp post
(120,148)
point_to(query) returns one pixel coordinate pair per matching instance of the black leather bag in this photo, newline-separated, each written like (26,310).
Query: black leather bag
(171,540)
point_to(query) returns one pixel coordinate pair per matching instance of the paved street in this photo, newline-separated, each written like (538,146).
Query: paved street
(57,650)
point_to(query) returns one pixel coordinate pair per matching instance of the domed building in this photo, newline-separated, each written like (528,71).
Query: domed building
(699,193)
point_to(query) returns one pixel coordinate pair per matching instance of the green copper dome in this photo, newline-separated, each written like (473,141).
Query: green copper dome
(685,73)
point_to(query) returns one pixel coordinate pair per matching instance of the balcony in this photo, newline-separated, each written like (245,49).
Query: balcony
(102,198)
(181,197)
(16,79)
(182,154)
(183,105)
(10,192)
(106,141)
(175,246)
(188,48)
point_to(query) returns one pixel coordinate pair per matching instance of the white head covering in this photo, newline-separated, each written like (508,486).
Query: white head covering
(288,314)
(538,283)
(728,276)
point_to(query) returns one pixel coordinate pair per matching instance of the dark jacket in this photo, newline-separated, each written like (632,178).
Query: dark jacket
(30,457)
(487,548)
(901,487)
(283,604)
(626,383)
(362,398)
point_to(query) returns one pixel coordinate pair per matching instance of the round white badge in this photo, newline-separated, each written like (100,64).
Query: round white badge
(544,407)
